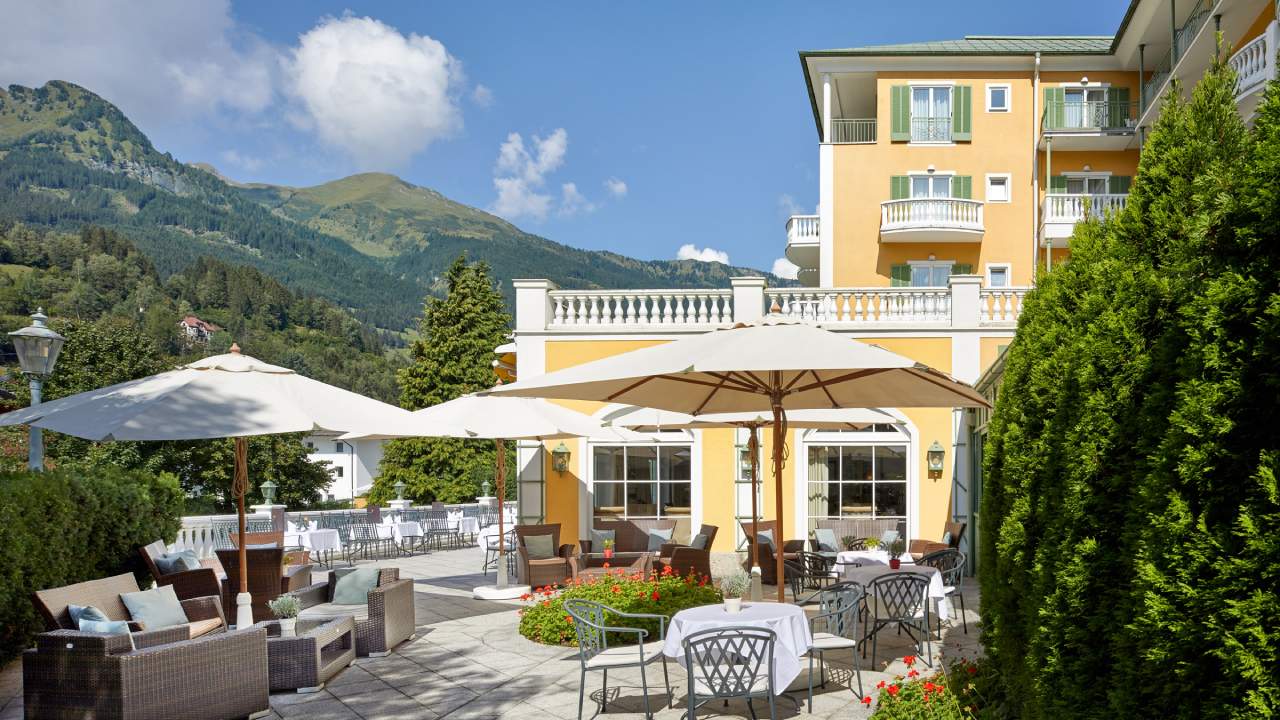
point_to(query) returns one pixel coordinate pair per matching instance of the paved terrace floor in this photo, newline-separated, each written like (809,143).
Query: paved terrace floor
(468,662)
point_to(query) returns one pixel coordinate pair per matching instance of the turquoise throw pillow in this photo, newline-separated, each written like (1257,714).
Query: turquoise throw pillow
(80,613)
(353,588)
(177,562)
(156,608)
(540,547)
(659,537)
(107,627)
(826,538)
(946,537)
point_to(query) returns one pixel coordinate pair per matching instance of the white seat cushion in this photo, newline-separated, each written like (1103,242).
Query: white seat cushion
(759,686)
(359,612)
(626,655)
(827,641)
(948,589)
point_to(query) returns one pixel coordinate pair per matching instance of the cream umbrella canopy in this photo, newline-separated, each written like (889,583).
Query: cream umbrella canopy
(222,396)
(489,417)
(770,366)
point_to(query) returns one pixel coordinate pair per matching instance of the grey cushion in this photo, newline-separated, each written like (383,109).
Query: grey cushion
(156,608)
(177,562)
(540,547)
(599,536)
(85,612)
(765,538)
(357,612)
(826,538)
(262,546)
(659,537)
(108,627)
(353,588)
(699,542)
(946,537)
(888,538)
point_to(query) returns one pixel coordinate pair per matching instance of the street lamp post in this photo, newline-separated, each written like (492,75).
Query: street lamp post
(37,347)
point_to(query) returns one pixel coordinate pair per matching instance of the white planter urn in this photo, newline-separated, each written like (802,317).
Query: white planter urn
(288,627)
(733,606)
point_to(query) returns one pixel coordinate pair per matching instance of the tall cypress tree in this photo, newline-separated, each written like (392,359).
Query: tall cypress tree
(452,357)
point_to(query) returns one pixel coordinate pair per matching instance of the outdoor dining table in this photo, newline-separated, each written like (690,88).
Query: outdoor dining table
(936,592)
(465,525)
(868,557)
(788,622)
(321,541)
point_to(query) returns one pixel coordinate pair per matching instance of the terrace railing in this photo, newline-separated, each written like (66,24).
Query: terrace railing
(954,213)
(863,305)
(853,131)
(1073,207)
(931,129)
(587,308)
(1068,115)
(1254,65)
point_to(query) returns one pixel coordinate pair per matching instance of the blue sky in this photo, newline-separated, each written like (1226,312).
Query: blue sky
(674,123)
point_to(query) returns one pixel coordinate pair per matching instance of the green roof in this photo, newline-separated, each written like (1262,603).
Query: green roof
(986,45)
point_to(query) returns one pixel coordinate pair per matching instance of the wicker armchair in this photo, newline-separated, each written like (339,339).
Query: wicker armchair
(269,578)
(386,620)
(186,583)
(768,561)
(204,614)
(90,676)
(550,571)
(683,559)
(952,534)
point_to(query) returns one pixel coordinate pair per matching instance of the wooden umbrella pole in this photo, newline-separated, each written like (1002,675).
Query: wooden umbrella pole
(240,487)
(753,447)
(779,437)
(501,473)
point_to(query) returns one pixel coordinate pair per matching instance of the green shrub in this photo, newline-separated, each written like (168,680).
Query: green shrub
(544,620)
(64,527)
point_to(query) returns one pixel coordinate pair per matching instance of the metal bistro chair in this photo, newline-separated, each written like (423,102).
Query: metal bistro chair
(437,528)
(813,571)
(362,537)
(950,563)
(839,608)
(491,552)
(901,599)
(730,663)
(594,652)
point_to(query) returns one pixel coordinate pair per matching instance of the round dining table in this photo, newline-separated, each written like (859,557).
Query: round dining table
(788,622)
(936,592)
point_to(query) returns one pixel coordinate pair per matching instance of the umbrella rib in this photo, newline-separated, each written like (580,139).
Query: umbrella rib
(843,378)
(710,395)
(705,383)
(732,377)
(825,391)
(631,387)
(759,383)
(796,379)
(927,376)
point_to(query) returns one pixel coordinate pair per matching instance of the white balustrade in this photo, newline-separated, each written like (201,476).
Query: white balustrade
(1000,305)
(197,538)
(1254,65)
(605,308)
(1072,207)
(863,305)
(953,213)
(802,228)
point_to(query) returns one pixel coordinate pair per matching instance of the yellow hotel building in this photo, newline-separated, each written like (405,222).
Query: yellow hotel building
(950,174)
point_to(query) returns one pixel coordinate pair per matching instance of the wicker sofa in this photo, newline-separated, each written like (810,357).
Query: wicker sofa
(186,583)
(683,559)
(269,578)
(768,561)
(383,622)
(548,571)
(203,613)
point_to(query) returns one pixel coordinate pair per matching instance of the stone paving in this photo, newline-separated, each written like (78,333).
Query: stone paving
(468,662)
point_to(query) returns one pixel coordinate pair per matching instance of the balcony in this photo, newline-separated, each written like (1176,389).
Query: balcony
(1061,212)
(931,220)
(1089,124)
(1255,66)
(803,246)
(853,131)
(931,129)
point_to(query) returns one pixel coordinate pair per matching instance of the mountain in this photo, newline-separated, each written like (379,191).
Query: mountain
(372,242)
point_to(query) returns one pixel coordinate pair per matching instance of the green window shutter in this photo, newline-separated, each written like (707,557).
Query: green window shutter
(1119,184)
(899,113)
(900,276)
(961,269)
(962,186)
(899,187)
(962,113)
(1117,107)
(1057,184)
(1055,101)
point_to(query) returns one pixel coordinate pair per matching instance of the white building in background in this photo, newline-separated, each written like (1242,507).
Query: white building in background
(352,463)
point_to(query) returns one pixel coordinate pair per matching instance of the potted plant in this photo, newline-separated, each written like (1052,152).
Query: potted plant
(286,609)
(896,548)
(733,586)
(872,543)
(849,542)
(608,548)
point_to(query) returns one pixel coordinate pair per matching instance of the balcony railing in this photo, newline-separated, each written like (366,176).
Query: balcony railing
(1069,115)
(851,131)
(931,129)
(1000,305)
(863,305)
(579,308)
(1182,39)
(802,228)
(1074,207)
(920,213)
(1254,65)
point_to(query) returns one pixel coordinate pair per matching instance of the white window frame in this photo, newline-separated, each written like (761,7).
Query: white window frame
(1008,97)
(1008,273)
(1091,175)
(660,441)
(905,435)
(913,174)
(1008,188)
(930,264)
(950,87)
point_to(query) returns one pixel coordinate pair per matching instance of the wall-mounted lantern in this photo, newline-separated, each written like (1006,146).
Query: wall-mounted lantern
(268,489)
(560,458)
(936,456)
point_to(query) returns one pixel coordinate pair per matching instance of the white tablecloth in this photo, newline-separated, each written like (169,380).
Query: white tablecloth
(787,621)
(320,540)
(404,529)
(491,531)
(869,557)
(936,591)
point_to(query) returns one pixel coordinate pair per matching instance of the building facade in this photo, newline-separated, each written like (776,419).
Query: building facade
(950,174)
(353,464)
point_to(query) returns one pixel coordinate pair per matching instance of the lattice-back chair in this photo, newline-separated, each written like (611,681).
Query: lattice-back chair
(362,538)
(730,663)
(812,572)
(901,599)
(839,608)
(950,563)
(437,527)
(592,630)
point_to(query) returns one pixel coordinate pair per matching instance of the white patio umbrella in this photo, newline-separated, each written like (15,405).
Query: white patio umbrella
(500,419)
(770,366)
(815,419)
(231,395)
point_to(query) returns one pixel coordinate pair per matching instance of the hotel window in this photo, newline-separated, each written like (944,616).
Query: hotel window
(930,114)
(926,273)
(998,188)
(997,276)
(939,113)
(742,489)
(339,447)
(865,480)
(1084,184)
(337,472)
(998,98)
(642,481)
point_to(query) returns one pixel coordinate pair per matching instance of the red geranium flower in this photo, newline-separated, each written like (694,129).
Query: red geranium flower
(880,686)
(909,660)
(913,674)
(526,596)
(867,701)
(568,619)
(655,596)
(893,690)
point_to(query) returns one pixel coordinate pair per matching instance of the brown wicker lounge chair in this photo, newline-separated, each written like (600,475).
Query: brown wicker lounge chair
(550,571)
(768,562)
(204,613)
(385,621)
(269,578)
(186,583)
(683,559)
(952,534)
(90,676)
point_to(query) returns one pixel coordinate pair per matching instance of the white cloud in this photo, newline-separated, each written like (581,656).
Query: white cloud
(372,92)
(615,187)
(482,96)
(573,202)
(240,160)
(706,254)
(788,206)
(520,177)
(784,268)
(161,62)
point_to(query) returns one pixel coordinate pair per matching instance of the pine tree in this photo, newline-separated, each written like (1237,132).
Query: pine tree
(452,357)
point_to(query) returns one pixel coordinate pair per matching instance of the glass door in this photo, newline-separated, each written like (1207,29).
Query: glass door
(930,114)
(1085,108)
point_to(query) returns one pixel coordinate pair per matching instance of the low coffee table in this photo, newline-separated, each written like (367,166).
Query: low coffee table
(305,662)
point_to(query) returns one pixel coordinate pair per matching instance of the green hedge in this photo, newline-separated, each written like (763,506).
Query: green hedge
(1130,538)
(63,527)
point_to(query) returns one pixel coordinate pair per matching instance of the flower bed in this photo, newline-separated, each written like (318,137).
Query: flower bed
(544,619)
(941,695)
